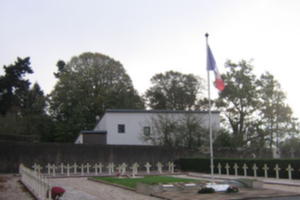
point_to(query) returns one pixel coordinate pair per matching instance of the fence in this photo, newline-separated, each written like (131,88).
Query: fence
(36,183)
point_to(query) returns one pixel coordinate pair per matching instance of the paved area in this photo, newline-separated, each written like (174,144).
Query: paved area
(83,189)
(12,189)
(80,188)
(242,194)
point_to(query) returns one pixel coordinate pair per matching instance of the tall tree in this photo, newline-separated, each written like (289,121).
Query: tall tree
(35,120)
(87,85)
(13,85)
(276,115)
(239,99)
(255,109)
(22,108)
(173,90)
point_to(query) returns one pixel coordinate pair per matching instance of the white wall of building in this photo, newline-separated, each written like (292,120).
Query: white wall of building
(136,121)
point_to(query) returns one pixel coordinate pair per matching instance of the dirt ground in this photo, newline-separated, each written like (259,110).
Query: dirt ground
(12,189)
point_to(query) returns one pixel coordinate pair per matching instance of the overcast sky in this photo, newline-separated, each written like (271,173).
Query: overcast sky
(153,36)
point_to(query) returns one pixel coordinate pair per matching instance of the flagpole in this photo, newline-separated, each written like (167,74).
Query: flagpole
(209,121)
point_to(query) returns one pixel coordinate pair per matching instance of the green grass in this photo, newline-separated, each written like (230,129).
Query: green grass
(152,180)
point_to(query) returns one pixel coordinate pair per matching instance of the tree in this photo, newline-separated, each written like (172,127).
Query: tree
(13,85)
(276,115)
(35,120)
(290,147)
(87,85)
(255,109)
(174,91)
(22,108)
(173,131)
(239,99)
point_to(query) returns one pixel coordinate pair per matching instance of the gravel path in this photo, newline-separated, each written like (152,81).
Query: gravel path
(83,189)
(12,189)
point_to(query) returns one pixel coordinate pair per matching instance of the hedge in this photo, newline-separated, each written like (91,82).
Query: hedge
(202,165)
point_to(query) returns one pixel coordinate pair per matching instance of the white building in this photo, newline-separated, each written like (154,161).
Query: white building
(126,127)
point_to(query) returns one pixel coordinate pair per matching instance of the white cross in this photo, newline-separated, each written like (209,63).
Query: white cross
(123,170)
(245,169)
(227,167)
(134,168)
(88,168)
(75,168)
(110,168)
(277,169)
(219,168)
(171,167)
(96,168)
(39,168)
(49,167)
(235,169)
(289,170)
(62,168)
(35,167)
(159,167)
(255,170)
(68,169)
(148,166)
(119,168)
(266,168)
(54,170)
(82,169)
(100,167)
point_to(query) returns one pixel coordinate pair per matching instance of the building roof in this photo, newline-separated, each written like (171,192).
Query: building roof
(155,111)
(87,132)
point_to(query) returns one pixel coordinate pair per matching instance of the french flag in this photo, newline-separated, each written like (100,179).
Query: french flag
(211,66)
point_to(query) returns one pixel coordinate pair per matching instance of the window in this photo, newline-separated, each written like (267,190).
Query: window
(121,128)
(146,130)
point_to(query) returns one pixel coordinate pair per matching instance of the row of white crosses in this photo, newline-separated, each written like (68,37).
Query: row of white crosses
(265,168)
(98,168)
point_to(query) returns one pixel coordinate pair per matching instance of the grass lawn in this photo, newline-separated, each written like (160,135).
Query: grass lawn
(132,182)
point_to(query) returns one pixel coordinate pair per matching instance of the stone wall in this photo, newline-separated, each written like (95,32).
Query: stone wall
(14,153)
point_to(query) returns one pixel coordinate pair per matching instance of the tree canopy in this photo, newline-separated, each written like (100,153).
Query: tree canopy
(174,91)
(23,108)
(87,85)
(254,108)
(13,84)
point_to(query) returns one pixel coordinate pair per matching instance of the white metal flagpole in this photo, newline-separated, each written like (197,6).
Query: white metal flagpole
(210,119)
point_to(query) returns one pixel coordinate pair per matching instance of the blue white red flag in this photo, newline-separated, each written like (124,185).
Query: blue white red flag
(211,66)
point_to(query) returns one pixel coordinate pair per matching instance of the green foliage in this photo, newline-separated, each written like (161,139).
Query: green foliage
(224,140)
(13,85)
(254,108)
(151,180)
(239,99)
(173,91)
(22,107)
(276,115)
(202,165)
(290,147)
(87,85)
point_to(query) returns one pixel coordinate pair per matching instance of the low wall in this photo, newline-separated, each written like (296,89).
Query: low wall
(14,153)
